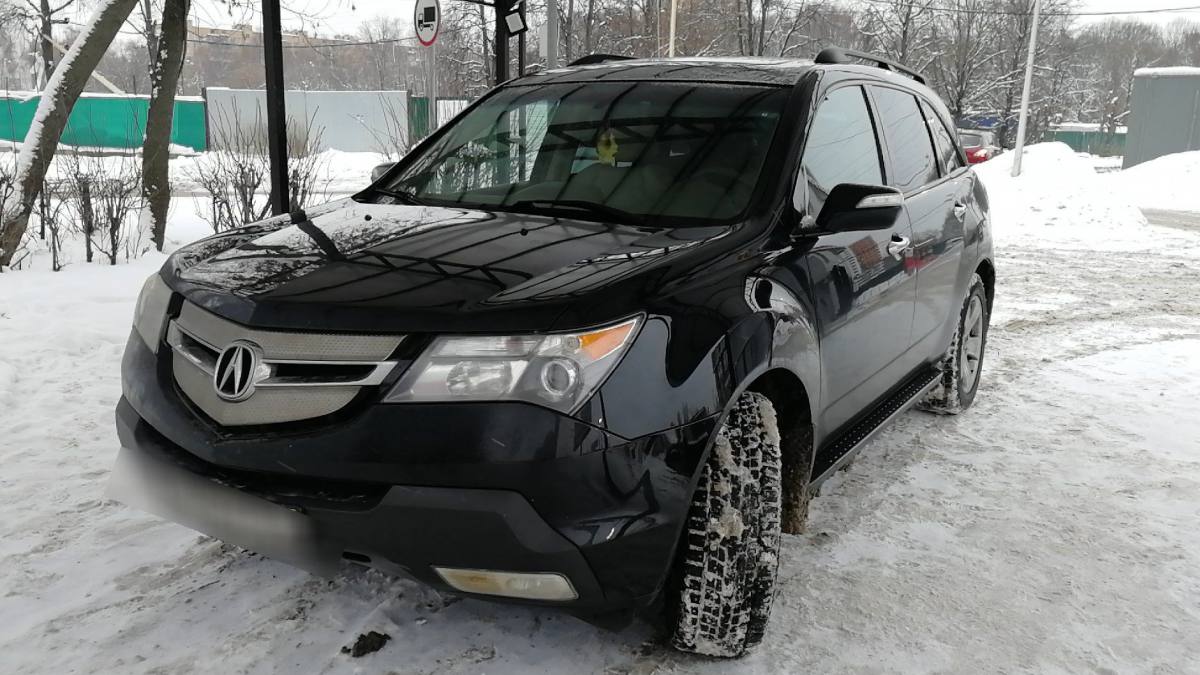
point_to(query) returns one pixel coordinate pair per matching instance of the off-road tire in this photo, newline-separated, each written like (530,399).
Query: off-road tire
(729,558)
(953,392)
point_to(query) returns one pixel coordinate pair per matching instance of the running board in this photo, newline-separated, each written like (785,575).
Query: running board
(848,445)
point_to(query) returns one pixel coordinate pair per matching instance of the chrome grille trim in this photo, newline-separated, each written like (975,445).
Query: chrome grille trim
(206,360)
(286,345)
(303,375)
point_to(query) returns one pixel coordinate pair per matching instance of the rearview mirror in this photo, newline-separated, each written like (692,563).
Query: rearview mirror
(381,169)
(853,208)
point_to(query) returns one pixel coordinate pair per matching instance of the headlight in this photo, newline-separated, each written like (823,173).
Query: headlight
(150,311)
(558,370)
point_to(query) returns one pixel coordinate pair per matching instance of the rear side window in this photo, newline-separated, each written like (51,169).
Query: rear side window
(913,160)
(943,142)
(841,146)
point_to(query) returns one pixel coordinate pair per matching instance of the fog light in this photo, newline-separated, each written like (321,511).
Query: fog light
(527,585)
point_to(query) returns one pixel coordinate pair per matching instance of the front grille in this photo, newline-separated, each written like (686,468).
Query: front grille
(290,377)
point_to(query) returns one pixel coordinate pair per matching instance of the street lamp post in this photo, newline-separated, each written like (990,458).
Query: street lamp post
(1024,118)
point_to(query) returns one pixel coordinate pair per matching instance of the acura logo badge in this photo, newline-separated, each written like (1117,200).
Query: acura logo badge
(233,378)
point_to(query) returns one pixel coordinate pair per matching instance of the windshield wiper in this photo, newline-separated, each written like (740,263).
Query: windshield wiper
(609,212)
(405,197)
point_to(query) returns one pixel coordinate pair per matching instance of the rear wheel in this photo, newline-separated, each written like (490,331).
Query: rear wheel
(730,555)
(962,365)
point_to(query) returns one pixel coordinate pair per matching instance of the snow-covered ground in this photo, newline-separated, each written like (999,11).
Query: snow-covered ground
(1053,528)
(1171,182)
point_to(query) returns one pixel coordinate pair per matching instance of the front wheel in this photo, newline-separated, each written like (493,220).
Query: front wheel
(962,365)
(730,553)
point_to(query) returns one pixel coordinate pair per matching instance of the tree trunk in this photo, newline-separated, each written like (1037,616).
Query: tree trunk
(569,32)
(47,47)
(587,27)
(164,80)
(147,7)
(59,97)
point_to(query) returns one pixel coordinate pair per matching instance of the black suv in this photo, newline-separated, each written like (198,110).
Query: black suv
(591,345)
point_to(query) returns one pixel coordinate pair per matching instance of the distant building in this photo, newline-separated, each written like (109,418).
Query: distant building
(250,35)
(1165,113)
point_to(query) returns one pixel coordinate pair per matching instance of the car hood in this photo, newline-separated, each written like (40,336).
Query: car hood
(380,267)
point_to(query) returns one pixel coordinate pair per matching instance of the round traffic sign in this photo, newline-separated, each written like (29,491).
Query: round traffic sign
(427,18)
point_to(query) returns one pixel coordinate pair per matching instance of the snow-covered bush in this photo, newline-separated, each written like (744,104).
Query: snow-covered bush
(104,197)
(237,178)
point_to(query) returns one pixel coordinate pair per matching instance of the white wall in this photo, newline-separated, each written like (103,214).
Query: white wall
(353,121)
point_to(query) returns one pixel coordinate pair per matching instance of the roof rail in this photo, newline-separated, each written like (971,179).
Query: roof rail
(839,55)
(598,58)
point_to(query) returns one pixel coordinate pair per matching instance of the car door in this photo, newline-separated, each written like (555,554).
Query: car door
(864,295)
(939,242)
(930,195)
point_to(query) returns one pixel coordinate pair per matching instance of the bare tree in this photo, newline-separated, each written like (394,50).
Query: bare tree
(45,13)
(164,80)
(51,118)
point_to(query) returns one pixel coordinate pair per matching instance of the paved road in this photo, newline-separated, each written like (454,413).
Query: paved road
(1182,220)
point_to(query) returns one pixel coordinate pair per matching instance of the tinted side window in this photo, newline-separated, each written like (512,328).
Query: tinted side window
(841,146)
(913,162)
(943,142)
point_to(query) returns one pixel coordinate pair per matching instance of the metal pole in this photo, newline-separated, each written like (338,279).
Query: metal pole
(433,87)
(1024,118)
(671,38)
(551,33)
(277,148)
(502,9)
(521,50)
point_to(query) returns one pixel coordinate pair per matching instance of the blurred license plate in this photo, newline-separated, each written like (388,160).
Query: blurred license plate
(169,491)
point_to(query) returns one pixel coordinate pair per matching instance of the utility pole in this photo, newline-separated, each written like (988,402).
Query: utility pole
(1024,118)
(671,37)
(551,33)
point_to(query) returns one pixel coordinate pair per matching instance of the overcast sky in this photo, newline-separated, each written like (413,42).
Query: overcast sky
(344,16)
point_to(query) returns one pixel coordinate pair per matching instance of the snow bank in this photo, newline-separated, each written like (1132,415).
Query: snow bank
(1169,182)
(1060,200)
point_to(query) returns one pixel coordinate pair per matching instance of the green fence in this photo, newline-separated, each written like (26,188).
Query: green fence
(1092,142)
(107,121)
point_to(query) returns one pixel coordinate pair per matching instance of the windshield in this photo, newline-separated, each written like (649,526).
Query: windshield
(645,152)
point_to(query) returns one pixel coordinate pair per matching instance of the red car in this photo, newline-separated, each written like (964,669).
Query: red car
(980,146)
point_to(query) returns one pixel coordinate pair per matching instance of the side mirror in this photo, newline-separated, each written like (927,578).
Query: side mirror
(381,169)
(854,208)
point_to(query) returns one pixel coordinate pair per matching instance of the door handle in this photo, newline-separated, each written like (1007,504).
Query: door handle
(960,210)
(898,246)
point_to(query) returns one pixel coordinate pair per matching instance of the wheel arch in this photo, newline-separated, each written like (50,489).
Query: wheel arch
(987,272)
(793,409)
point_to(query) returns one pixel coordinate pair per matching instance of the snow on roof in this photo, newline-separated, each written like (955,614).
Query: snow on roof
(29,95)
(1169,71)
(1085,127)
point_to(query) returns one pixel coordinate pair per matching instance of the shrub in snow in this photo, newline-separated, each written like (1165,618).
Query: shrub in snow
(105,198)
(237,178)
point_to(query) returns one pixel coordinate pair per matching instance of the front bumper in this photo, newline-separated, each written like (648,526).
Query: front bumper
(387,488)
(409,530)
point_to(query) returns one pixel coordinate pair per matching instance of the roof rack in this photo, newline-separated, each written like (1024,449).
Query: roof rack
(598,58)
(839,55)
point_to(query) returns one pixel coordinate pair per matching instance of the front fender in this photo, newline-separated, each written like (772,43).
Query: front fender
(683,370)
